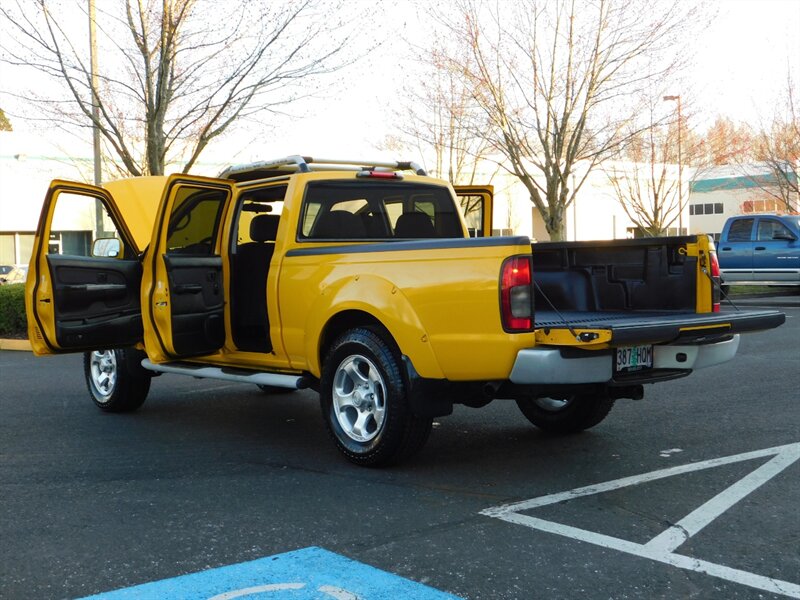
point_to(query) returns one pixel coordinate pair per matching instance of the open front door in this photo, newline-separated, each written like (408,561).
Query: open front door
(82,291)
(476,206)
(184,289)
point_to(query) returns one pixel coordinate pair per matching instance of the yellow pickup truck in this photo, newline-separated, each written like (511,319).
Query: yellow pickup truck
(373,284)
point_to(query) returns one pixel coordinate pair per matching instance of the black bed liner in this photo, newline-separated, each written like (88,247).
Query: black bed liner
(653,327)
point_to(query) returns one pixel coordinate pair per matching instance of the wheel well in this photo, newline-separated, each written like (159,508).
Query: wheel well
(340,323)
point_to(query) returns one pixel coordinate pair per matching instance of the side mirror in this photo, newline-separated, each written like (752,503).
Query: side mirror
(106,247)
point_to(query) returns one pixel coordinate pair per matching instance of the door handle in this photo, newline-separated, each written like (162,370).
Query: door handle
(728,248)
(760,248)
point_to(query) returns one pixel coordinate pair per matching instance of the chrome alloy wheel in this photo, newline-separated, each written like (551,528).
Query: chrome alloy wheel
(103,365)
(359,398)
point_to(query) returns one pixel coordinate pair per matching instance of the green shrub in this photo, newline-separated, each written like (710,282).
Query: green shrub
(12,311)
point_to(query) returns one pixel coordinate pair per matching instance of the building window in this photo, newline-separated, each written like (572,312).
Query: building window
(750,206)
(698,209)
(718,208)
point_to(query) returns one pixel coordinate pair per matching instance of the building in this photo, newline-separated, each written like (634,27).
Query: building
(28,163)
(725,191)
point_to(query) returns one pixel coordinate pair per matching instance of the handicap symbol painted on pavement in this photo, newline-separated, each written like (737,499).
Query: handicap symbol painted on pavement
(307,574)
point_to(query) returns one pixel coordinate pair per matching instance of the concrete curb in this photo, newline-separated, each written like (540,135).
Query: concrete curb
(23,345)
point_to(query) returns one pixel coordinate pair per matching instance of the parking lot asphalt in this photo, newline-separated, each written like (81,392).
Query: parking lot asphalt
(690,493)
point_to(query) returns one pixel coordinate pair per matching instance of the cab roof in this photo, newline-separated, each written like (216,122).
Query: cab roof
(305,164)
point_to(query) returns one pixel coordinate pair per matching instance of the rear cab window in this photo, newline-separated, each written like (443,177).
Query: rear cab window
(356,210)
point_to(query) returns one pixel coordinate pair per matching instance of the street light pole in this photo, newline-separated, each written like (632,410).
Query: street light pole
(95,100)
(680,164)
(95,117)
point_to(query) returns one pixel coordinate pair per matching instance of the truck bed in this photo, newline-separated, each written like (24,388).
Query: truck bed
(654,327)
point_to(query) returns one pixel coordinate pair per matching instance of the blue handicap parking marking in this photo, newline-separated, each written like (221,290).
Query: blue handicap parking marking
(307,574)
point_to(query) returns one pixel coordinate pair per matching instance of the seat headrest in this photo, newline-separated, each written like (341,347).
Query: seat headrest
(414,225)
(264,228)
(340,224)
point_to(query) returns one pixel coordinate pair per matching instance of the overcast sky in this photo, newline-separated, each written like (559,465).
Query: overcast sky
(740,71)
(741,66)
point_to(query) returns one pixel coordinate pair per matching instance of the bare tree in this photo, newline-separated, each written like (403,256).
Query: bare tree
(176,74)
(728,143)
(778,147)
(651,182)
(5,124)
(557,82)
(435,121)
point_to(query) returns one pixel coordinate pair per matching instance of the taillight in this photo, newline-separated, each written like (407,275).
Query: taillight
(715,277)
(516,298)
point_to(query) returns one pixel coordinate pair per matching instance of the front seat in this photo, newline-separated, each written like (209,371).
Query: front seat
(249,302)
(414,225)
(339,225)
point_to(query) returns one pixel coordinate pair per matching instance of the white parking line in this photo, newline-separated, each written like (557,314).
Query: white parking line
(662,547)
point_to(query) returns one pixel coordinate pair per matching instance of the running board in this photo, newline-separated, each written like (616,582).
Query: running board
(292,382)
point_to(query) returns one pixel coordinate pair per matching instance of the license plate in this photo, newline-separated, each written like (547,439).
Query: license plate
(634,358)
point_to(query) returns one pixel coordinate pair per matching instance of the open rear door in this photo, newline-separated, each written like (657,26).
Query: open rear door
(184,290)
(476,206)
(82,291)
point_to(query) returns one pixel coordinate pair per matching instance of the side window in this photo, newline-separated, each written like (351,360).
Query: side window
(769,228)
(82,226)
(259,212)
(393,208)
(472,209)
(740,230)
(427,206)
(194,222)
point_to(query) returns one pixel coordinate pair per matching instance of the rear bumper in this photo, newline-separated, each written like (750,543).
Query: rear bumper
(552,366)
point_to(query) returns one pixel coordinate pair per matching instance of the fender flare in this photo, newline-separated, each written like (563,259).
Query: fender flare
(384,302)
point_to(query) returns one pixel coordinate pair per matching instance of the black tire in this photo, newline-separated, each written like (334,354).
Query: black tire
(570,414)
(116,380)
(363,400)
(272,389)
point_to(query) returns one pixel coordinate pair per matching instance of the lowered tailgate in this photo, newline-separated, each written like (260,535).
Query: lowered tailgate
(655,327)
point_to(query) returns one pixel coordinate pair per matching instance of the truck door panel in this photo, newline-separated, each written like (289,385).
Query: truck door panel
(776,257)
(184,279)
(96,301)
(83,284)
(196,290)
(736,252)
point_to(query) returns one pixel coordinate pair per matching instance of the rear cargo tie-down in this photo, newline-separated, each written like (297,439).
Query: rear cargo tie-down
(583,337)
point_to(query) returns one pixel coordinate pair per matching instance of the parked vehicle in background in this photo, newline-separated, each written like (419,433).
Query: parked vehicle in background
(760,249)
(16,274)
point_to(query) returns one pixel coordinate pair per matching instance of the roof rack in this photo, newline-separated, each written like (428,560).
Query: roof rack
(305,164)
